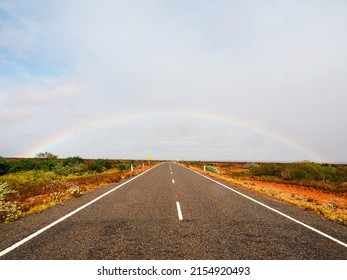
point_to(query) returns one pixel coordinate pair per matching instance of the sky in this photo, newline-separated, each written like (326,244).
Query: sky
(189,80)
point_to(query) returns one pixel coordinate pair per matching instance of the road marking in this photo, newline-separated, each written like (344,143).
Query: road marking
(180,216)
(173,181)
(274,210)
(171,173)
(19,243)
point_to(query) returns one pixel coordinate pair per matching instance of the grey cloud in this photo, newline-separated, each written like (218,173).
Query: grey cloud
(281,64)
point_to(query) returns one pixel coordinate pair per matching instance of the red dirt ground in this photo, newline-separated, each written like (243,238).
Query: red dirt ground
(319,196)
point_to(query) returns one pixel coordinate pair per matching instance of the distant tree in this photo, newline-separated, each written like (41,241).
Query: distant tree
(46,155)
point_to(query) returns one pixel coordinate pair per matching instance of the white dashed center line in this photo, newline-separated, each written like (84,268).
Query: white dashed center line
(180,216)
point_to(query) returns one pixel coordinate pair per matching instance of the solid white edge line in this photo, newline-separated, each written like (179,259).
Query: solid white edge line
(31,236)
(274,210)
(180,216)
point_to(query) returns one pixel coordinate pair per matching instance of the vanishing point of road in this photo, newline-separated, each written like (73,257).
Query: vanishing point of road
(171,212)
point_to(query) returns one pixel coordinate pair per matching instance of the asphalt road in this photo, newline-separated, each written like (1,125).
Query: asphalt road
(171,212)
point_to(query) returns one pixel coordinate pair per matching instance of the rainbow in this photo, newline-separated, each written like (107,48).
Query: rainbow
(65,136)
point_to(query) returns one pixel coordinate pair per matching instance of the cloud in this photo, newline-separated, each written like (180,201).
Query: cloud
(68,63)
(10,116)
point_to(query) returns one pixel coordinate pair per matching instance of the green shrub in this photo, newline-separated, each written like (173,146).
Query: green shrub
(61,170)
(266,169)
(106,163)
(305,171)
(78,169)
(4,166)
(302,171)
(22,165)
(212,168)
(336,174)
(251,165)
(49,164)
(124,166)
(287,174)
(73,161)
(96,167)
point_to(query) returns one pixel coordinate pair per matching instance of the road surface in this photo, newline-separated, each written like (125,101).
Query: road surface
(171,212)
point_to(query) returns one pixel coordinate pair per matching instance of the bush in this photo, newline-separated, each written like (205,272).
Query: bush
(61,170)
(78,169)
(22,165)
(96,167)
(49,164)
(336,174)
(251,165)
(212,168)
(4,166)
(287,174)
(305,171)
(266,169)
(73,161)
(124,166)
(107,164)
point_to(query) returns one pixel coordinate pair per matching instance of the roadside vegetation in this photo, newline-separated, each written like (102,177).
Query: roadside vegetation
(30,185)
(321,188)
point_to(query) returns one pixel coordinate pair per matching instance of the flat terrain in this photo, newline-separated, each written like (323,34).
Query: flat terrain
(141,220)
